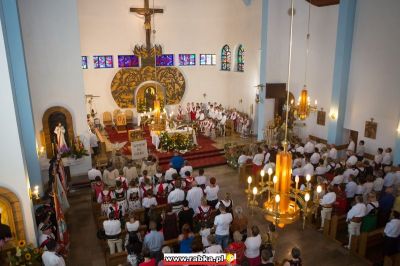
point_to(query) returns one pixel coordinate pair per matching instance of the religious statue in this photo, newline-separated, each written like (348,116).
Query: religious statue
(60,132)
(149,96)
(5,233)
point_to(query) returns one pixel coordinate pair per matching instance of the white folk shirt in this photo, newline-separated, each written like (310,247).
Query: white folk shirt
(308,169)
(351,189)
(169,173)
(359,210)
(201,179)
(148,202)
(211,193)
(194,196)
(337,180)
(50,258)
(300,149)
(389,179)
(351,146)
(309,147)
(314,159)
(222,223)
(368,186)
(269,165)
(387,158)
(328,198)
(185,169)
(347,173)
(392,228)
(297,171)
(176,195)
(378,158)
(266,157)
(370,207)
(252,244)
(332,153)
(378,184)
(258,159)
(112,227)
(243,159)
(352,160)
(320,170)
(93,173)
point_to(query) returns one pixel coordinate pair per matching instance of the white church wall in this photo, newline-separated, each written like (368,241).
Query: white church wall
(374,72)
(108,28)
(52,47)
(13,177)
(323,28)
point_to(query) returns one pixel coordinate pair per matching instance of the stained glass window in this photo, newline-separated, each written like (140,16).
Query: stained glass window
(240,59)
(103,61)
(165,60)
(226,58)
(84,62)
(187,59)
(128,61)
(208,59)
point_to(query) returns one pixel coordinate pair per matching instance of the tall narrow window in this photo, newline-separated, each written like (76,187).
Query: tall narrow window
(226,58)
(240,59)
(84,62)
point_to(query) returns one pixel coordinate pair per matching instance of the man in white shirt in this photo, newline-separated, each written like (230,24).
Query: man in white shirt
(300,149)
(194,196)
(170,172)
(351,147)
(112,229)
(389,179)
(298,170)
(243,158)
(360,150)
(201,179)
(186,168)
(351,189)
(337,180)
(309,148)
(378,184)
(308,168)
(348,172)
(50,257)
(352,160)
(332,152)
(92,173)
(314,159)
(258,158)
(327,202)
(387,158)
(392,233)
(176,197)
(222,223)
(94,143)
(354,218)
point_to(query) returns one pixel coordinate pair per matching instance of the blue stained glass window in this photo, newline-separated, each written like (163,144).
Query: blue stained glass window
(240,59)
(84,62)
(208,59)
(128,61)
(165,60)
(226,58)
(187,59)
(103,61)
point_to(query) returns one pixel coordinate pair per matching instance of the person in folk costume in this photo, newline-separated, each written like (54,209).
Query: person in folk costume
(130,172)
(116,208)
(189,179)
(193,112)
(110,176)
(245,127)
(176,197)
(61,172)
(97,187)
(157,176)
(122,180)
(180,112)
(203,213)
(212,130)
(46,235)
(161,191)
(120,196)
(147,202)
(150,165)
(198,111)
(145,186)
(227,202)
(104,199)
(234,117)
(132,197)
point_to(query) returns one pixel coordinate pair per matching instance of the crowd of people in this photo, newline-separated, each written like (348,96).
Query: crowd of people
(367,191)
(195,214)
(211,118)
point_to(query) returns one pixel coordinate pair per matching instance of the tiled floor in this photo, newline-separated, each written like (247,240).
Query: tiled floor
(316,249)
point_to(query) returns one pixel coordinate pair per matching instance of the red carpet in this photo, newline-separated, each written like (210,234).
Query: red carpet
(205,155)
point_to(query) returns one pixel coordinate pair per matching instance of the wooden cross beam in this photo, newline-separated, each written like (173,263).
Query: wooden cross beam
(147,12)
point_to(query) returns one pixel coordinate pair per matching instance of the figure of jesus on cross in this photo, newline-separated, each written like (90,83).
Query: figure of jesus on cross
(147,12)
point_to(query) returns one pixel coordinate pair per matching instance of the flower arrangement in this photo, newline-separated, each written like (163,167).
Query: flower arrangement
(26,254)
(176,142)
(65,151)
(79,149)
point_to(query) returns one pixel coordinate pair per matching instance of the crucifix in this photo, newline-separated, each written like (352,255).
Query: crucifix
(147,12)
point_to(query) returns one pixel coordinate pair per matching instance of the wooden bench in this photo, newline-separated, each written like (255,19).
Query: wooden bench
(337,223)
(369,239)
(392,260)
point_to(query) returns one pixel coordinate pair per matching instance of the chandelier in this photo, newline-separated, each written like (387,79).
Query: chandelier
(285,202)
(303,108)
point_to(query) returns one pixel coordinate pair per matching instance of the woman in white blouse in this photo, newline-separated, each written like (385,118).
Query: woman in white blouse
(253,243)
(211,192)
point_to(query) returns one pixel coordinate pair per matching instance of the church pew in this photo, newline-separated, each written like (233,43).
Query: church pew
(338,223)
(370,239)
(392,260)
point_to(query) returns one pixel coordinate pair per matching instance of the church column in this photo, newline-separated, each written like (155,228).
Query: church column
(263,71)
(19,83)
(344,41)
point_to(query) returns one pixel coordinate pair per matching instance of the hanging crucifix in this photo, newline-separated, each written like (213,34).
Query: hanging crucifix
(147,12)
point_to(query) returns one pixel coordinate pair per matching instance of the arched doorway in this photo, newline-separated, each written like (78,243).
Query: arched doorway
(146,94)
(11,214)
(50,120)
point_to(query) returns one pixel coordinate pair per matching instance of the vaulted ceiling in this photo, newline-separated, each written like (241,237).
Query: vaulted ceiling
(323,2)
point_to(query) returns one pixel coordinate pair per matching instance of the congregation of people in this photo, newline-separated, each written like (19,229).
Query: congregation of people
(195,214)
(367,191)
